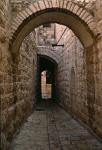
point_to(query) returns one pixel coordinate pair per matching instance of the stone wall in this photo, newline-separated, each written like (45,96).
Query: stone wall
(95,62)
(6,78)
(94,74)
(25,79)
(72,75)
(17,87)
(18,5)
(79,79)
(98,86)
(6,93)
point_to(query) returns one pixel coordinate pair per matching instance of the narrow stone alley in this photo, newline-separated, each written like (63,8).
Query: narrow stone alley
(50,74)
(52,128)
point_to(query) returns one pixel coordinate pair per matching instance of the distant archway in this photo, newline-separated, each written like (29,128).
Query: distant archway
(48,66)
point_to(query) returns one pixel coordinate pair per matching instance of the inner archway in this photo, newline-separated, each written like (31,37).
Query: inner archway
(46,78)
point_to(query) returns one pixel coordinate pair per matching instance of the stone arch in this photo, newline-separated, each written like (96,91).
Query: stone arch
(50,11)
(46,56)
(46,63)
(49,53)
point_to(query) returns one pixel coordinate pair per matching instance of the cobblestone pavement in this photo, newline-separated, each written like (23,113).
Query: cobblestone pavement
(51,128)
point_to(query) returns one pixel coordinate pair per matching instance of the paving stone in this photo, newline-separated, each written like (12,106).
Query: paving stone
(42,131)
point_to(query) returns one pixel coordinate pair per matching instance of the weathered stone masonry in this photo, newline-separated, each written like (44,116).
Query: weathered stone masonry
(16,95)
(25,78)
(72,80)
(80,81)
(6,75)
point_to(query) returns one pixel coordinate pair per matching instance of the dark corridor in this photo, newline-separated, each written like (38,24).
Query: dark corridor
(45,63)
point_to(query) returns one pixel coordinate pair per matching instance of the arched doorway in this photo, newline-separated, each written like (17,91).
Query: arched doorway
(46,78)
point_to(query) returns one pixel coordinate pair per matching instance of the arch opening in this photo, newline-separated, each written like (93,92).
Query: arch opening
(53,15)
(46,78)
